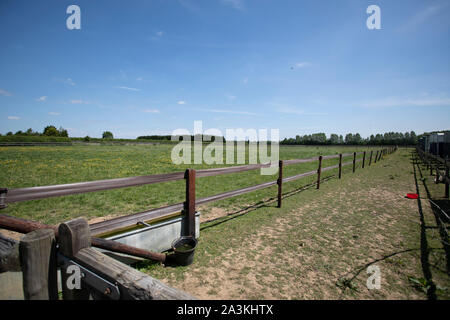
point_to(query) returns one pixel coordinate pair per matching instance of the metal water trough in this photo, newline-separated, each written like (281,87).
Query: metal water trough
(156,236)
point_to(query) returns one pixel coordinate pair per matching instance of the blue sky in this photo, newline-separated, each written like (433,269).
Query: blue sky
(149,67)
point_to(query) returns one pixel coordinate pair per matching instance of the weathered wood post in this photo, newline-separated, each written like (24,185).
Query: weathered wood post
(354,161)
(73,236)
(370,160)
(340,165)
(280,182)
(189,205)
(319,170)
(37,252)
(376,157)
(364,159)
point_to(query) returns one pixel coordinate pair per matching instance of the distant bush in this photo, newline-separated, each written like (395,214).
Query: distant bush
(107,135)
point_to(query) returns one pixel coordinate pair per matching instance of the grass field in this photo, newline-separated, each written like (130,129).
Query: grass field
(320,243)
(317,246)
(48,165)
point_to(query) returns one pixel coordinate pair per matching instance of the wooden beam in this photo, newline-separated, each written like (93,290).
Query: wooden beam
(132,284)
(39,266)
(74,235)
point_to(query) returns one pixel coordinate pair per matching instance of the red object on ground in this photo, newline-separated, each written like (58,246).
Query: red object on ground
(412,195)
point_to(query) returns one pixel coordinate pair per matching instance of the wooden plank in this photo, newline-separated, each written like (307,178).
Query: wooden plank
(133,284)
(75,244)
(370,160)
(38,260)
(340,166)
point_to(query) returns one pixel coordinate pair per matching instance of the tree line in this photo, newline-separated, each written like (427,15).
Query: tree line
(388,138)
(49,131)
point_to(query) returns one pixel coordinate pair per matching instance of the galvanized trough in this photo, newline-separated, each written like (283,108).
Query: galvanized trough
(154,235)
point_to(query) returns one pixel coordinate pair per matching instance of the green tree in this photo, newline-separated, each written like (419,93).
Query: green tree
(63,132)
(334,139)
(51,131)
(107,135)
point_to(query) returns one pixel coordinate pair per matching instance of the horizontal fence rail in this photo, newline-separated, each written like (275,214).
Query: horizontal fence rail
(440,166)
(32,193)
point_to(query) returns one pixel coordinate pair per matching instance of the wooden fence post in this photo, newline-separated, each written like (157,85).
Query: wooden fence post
(319,170)
(37,252)
(370,160)
(354,161)
(73,236)
(364,159)
(340,165)
(376,157)
(189,205)
(280,181)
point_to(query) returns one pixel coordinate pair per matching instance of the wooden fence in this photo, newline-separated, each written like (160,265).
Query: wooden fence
(32,193)
(85,273)
(104,276)
(440,167)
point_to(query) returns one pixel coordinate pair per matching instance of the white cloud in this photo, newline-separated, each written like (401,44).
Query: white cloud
(181,102)
(69,81)
(151,111)
(422,17)
(229,111)
(300,65)
(230,97)
(236,4)
(13,118)
(402,102)
(79,101)
(54,113)
(127,88)
(295,110)
(160,33)
(5,93)
(245,81)
(41,99)
(139,78)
